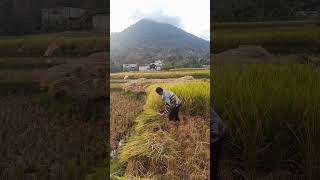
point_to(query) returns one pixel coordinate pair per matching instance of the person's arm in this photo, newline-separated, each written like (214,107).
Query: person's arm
(165,110)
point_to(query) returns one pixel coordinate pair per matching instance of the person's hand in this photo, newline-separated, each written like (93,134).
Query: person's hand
(161,113)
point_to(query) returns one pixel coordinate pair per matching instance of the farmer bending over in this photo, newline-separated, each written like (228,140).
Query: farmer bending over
(172,104)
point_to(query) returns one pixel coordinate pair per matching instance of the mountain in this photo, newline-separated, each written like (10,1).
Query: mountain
(148,39)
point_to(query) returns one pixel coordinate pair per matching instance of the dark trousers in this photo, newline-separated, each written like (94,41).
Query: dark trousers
(216,148)
(174,113)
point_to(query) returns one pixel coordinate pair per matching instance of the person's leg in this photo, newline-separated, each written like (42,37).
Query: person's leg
(177,113)
(171,115)
(216,157)
(174,114)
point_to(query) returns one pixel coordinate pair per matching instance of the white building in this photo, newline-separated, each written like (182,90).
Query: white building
(158,63)
(100,22)
(60,18)
(129,67)
(206,66)
(155,66)
(307,14)
(144,68)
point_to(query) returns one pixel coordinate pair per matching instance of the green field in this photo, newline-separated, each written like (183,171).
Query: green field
(277,37)
(196,73)
(71,44)
(272,112)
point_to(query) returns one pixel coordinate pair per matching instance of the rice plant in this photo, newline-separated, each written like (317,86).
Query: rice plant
(277,37)
(272,112)
(195,97)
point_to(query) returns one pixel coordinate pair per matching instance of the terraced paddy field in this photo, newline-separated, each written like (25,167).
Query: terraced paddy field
(276,37)
(154,147)
(70,44)
(177,73)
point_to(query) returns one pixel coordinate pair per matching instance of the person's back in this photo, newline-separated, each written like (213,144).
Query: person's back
(170,98)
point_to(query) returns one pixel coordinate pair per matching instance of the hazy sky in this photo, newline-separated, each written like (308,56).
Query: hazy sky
(192,16)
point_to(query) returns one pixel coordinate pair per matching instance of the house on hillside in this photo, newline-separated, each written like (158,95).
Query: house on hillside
(307,14)
(144,68)
(206,66)
(100,22)
(155,66)
(70,18)
(129,67)
(64,18)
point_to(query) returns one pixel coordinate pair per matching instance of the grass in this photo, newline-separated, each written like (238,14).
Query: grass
(272,112)
(99,173)
(71,44)
(197,73)
(122,119)
(276,37)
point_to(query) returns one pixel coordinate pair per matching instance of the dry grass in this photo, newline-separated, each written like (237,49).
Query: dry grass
(37,144)
(163,150)
(122,119)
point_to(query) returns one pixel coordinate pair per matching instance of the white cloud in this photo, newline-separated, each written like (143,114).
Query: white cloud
(193,15)
(159,17)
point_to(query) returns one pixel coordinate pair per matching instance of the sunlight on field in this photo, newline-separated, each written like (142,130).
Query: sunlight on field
(196,73)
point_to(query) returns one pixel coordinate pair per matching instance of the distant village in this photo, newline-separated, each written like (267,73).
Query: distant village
(69,18)
(154,66)
(34,19)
